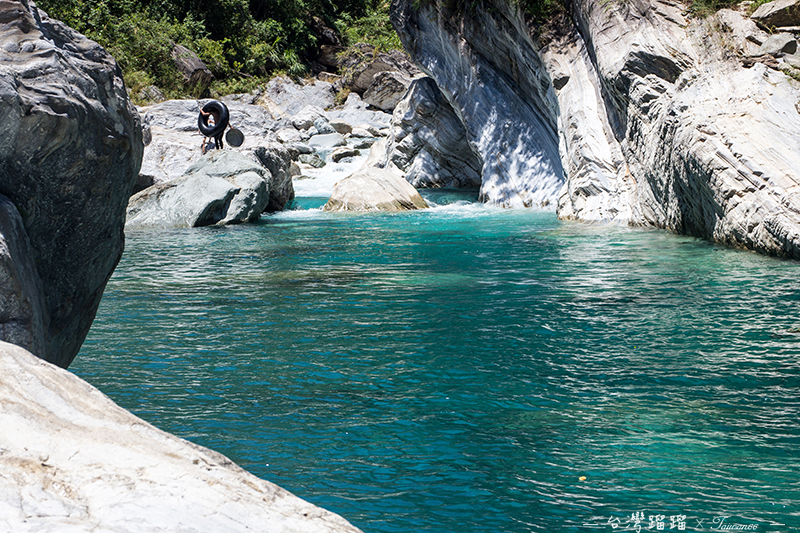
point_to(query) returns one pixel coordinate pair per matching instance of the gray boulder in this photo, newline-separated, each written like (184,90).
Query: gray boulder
(343,153)
(195,73)
(313,160)
(366,62)
(327,142)
(356,112)
(340,126)
(223,187)
(374,189)
(284,98)
(778,44)
(175,142)
(386,90)
(323,126)
(429,141)
(277,159)
(305,118)
(70,151)
(778,13)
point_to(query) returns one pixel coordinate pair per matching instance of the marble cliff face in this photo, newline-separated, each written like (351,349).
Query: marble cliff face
(631,112)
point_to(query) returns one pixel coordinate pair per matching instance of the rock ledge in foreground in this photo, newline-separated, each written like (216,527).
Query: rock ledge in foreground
(73,460)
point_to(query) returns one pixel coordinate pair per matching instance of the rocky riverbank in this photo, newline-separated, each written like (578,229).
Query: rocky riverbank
(634,112)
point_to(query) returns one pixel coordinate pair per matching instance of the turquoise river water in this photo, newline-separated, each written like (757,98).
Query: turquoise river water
(469,369)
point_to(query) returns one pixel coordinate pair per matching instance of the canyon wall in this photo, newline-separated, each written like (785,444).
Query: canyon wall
(659,118)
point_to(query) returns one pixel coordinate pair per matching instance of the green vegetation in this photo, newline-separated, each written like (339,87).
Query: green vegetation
(704,8)
(243,42)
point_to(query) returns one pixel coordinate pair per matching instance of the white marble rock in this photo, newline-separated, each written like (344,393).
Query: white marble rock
(71,460)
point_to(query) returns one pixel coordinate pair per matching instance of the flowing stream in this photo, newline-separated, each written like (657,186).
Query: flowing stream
(468,369)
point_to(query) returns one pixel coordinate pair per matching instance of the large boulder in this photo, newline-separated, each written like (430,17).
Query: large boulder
(365,62)
(429,140)
(73,460)
(70,151)
(195,73)
(778,13)
(223,187)
(374,189)
(386,90)
(284,98)
(175,142)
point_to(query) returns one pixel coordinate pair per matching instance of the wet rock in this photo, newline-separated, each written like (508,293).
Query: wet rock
(374,189)
(277,159)
(70,151)
(343,153)
(313,160)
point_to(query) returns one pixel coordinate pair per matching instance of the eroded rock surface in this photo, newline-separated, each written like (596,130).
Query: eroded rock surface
(70,151)
(652,118)
(72,460)
(429,143)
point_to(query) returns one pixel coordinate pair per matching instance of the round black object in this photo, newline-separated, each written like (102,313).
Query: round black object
(221,118)
(234,137)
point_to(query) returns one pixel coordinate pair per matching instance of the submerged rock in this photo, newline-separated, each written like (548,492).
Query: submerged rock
(223,187)
(374,189)
(70,151)
(73,460)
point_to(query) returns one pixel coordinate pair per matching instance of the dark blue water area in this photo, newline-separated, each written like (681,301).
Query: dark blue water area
(469,369)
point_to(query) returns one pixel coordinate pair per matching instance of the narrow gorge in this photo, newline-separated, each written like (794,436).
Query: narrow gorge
(633,112)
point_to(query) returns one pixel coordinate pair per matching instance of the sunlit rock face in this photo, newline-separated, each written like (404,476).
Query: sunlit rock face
(636,113)
(488,68)
(699,132)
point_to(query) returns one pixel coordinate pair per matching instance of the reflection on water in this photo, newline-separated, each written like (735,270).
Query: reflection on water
(463,368)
